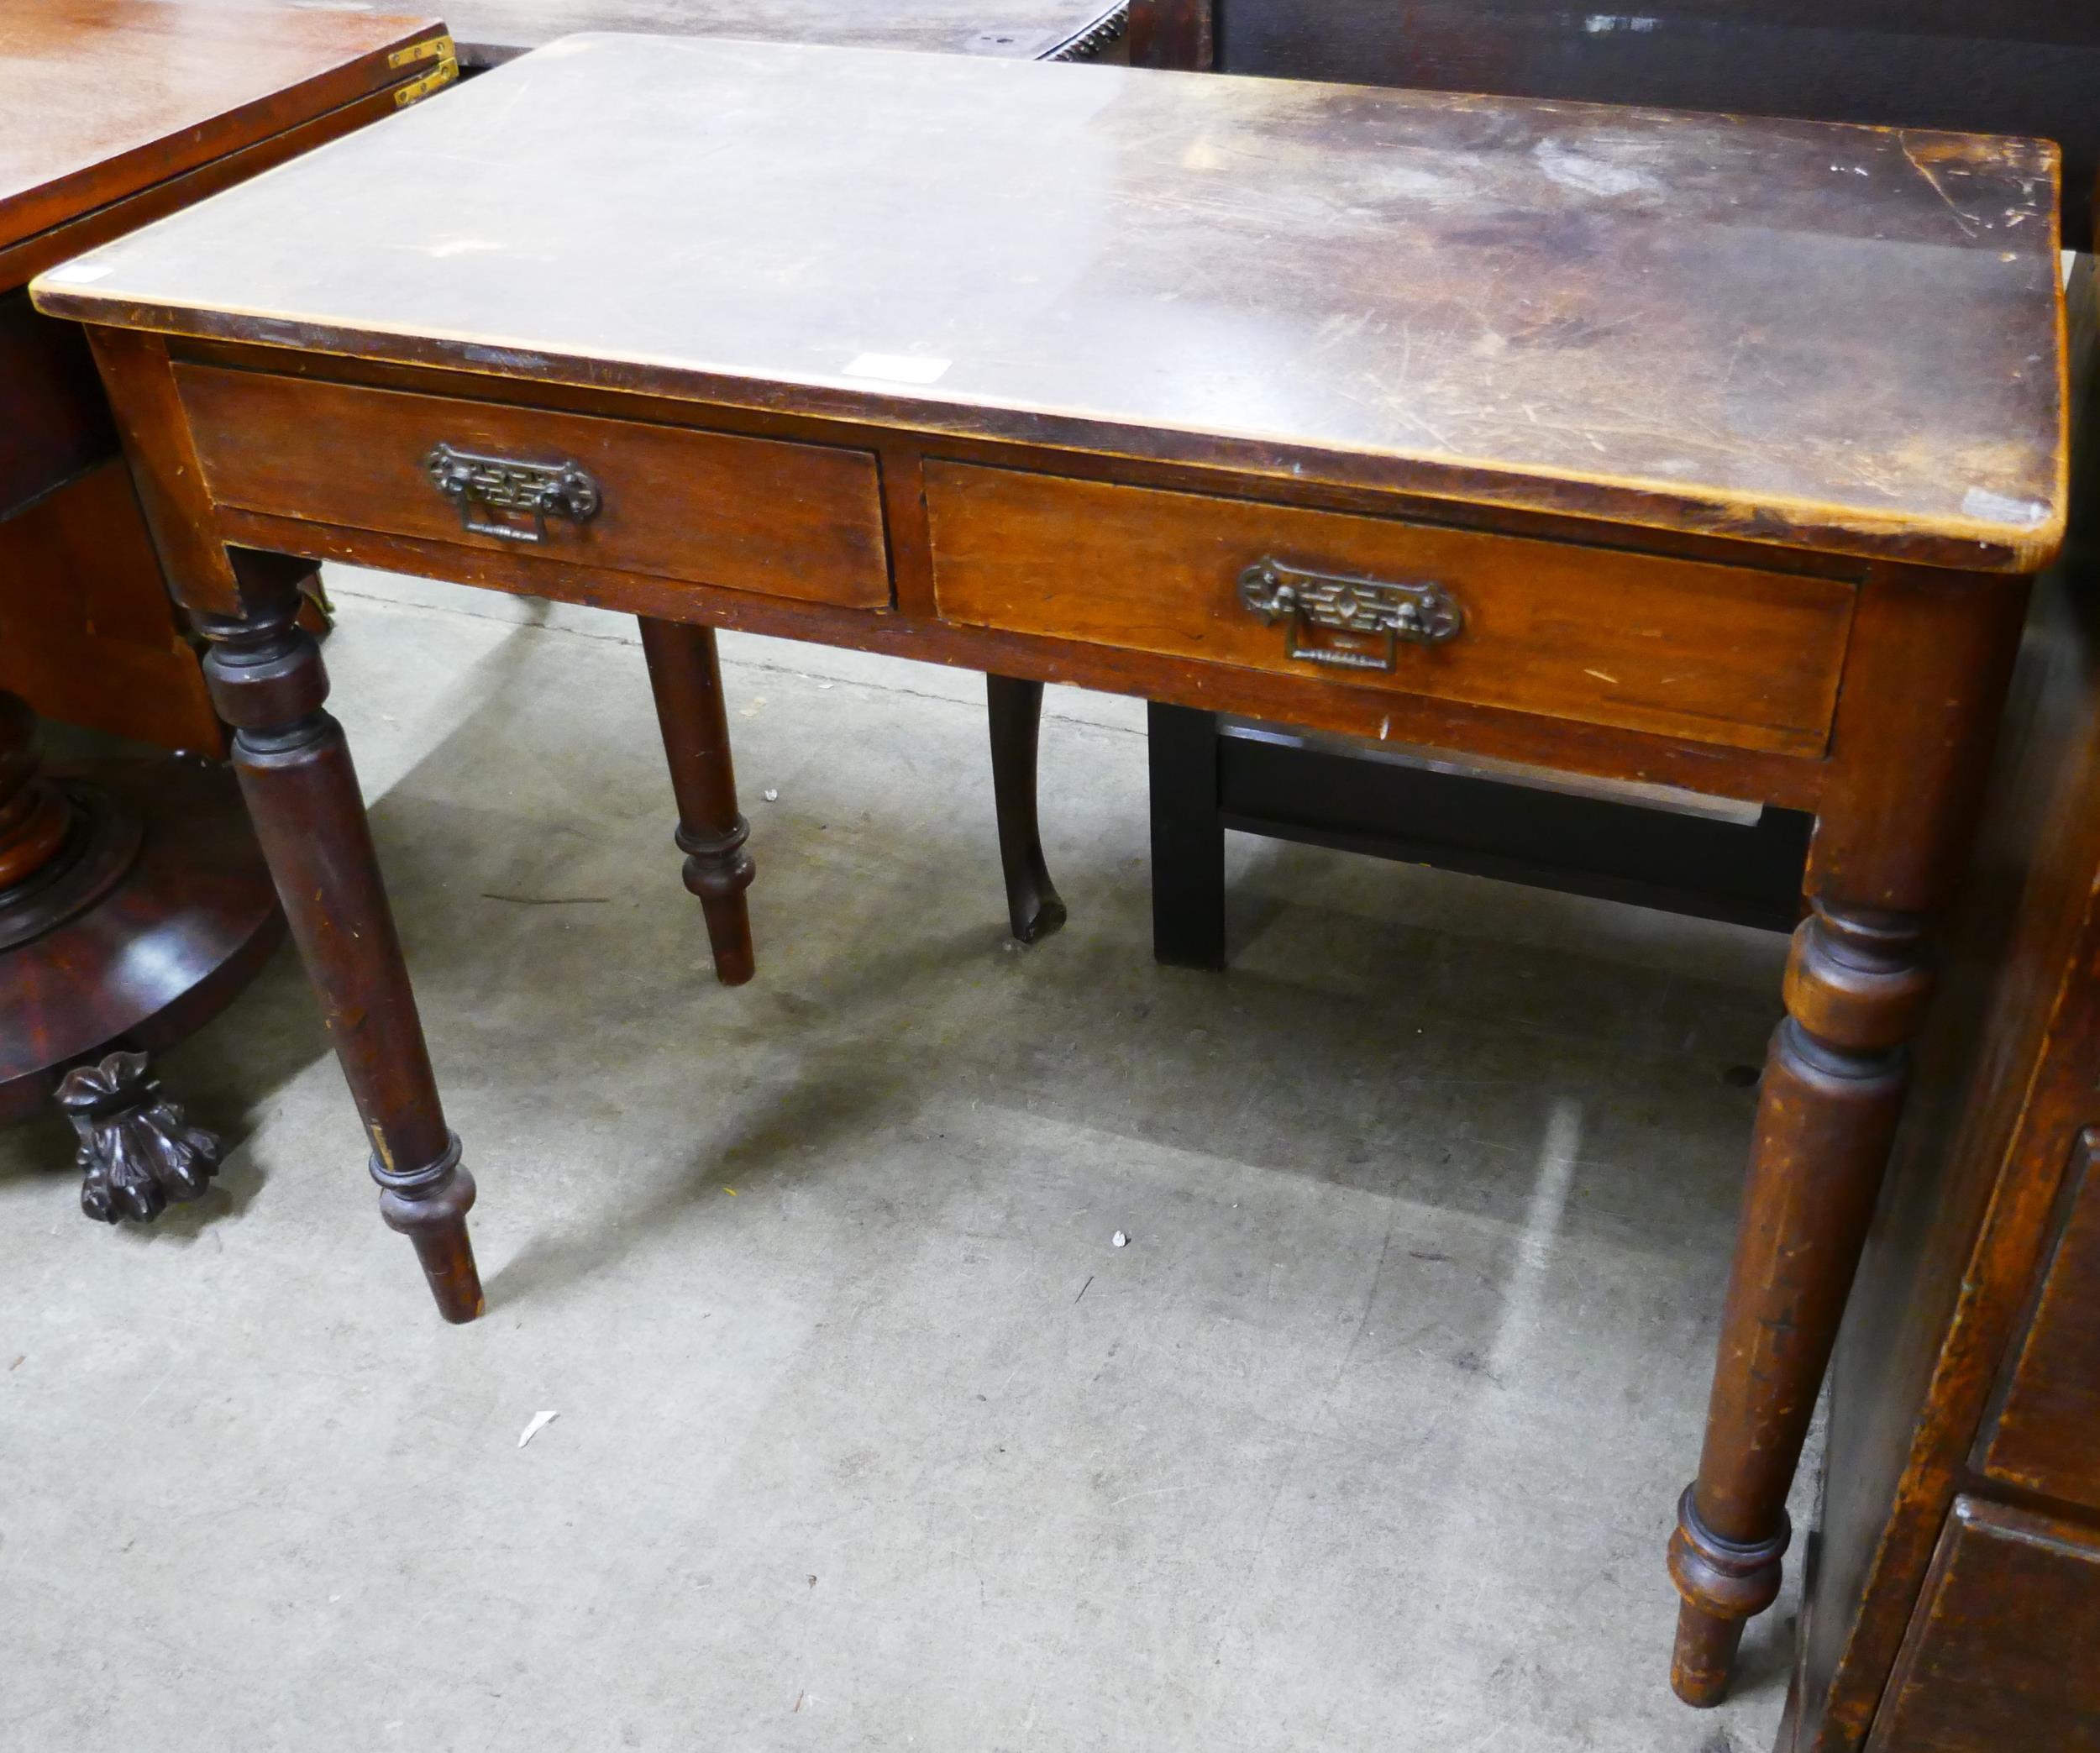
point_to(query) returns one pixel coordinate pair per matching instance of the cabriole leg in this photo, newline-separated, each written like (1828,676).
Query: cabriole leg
(1014,709)
(685,677)
(267,681)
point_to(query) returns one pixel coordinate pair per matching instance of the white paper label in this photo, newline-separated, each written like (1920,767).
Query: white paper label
(900,368)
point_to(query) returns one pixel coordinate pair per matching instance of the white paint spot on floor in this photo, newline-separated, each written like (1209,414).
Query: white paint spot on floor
(1524,1300)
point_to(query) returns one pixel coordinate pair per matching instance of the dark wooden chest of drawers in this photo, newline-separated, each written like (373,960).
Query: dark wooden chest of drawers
(1954,1594)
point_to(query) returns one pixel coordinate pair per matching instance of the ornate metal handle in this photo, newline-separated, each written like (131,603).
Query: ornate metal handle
(498,485)
(1422,613)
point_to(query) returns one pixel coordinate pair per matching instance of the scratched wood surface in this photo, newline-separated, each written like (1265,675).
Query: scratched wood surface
(101,98)
(492,31)
(1983,66)
(1833,337)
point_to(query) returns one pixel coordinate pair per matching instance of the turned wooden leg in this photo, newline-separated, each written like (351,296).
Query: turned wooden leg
(686,679)
(1015,711)
(1925,677)
(1833,1086)
(267,681)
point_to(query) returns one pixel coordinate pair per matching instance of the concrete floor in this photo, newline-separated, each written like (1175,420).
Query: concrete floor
(868,1437)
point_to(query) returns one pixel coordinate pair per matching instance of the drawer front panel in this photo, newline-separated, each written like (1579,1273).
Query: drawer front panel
(782,519)
(2000,1655)
(2046,1436)
(1720,654)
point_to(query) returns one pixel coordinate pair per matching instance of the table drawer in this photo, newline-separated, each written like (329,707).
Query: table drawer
(1999,1655)
(1723,655)
(2045,1437)
(717,508)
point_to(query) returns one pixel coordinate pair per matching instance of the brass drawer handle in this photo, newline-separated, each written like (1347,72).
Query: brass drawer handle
(1422,613)
(497,484)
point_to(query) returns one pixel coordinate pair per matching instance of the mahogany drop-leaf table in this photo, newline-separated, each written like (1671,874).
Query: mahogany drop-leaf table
(1677,448)
(134,904)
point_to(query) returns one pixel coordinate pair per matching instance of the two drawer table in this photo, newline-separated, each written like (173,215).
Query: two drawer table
(1681,449)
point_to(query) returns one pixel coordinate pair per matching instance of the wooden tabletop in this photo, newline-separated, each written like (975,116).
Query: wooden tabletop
(490,31)
(1838,337)
(103,98)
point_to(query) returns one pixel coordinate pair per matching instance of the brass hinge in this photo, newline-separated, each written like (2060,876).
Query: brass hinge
(432,49)
(442,74)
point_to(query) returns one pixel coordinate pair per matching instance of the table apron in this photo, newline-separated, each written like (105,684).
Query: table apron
(1316,701)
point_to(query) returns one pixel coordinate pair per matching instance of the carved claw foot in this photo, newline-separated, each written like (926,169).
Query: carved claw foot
(136,1151)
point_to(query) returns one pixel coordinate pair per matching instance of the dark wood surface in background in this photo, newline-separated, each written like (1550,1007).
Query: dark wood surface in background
(1818,335)
(103,97)
(117,112)
(173,940)
(2000,1655)
(492,31)
(1180,34)
(54,423)
(2044,1434)
(86,631)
